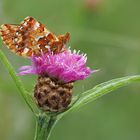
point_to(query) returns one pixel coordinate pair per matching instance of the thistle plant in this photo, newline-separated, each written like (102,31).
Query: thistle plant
(53,96)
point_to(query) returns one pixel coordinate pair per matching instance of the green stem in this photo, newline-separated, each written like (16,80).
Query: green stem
(18,83)
(44,127)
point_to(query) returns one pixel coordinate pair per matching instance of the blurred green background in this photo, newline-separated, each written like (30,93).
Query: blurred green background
(109,32)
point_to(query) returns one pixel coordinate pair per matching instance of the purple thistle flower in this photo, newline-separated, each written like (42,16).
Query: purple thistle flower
(67,66)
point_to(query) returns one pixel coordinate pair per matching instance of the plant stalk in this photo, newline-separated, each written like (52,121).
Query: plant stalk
(44,126)
(24,93)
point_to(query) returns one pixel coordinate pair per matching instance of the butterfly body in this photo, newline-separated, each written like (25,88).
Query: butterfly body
(32,38)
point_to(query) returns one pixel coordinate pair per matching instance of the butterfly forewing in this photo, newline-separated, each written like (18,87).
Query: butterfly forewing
(31,38)
(8,35)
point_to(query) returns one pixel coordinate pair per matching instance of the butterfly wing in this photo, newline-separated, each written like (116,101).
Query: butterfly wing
(8,35)
(59,44)
(64,38)
(28,38)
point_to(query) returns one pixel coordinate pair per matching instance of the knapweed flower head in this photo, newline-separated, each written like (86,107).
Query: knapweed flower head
(56,74)
(67,66)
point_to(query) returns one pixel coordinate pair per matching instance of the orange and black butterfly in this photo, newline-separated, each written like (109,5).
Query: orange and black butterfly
(31,37)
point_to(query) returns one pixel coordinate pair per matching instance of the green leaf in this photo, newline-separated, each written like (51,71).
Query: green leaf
(100,90)
(27,97)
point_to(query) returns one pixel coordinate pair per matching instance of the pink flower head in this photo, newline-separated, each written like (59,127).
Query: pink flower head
(66,66)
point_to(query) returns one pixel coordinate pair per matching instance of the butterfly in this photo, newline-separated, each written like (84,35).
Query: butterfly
(32,38)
